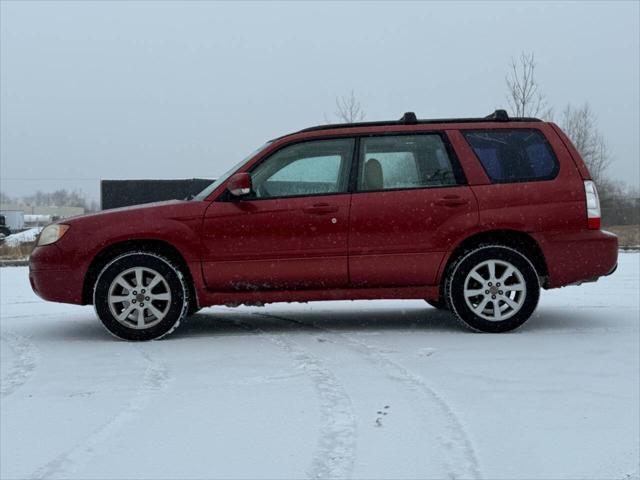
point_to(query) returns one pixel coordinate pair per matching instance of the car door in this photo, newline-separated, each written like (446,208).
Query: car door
(409,206)
(291,232)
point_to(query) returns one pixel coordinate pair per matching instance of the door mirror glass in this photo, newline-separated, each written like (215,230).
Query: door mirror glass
(239,184)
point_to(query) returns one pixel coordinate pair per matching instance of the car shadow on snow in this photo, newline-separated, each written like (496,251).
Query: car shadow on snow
(215,321)
(273,320)
(220,322)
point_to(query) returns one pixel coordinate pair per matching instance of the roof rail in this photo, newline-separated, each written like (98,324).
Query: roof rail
(409,118)
(499,115)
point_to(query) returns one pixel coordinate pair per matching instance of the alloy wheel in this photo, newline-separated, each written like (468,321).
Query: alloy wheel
(139,298)
(495,290)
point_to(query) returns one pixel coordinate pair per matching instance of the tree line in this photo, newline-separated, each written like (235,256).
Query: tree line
(57,198)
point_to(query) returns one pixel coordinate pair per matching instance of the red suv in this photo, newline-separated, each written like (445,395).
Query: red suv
(472,215)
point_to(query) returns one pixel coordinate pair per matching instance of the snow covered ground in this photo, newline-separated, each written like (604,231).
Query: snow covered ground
(22,237)
(348,389)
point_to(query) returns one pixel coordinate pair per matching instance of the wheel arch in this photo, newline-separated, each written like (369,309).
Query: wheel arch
(518,240)
(108,253)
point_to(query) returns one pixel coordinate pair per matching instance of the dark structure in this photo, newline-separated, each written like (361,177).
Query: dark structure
(4,230)
(123,193)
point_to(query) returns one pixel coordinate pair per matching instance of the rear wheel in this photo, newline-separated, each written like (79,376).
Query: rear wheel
(141,296)
(493,288)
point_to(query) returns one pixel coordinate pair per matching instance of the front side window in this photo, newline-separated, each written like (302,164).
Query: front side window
(513,155)
(318,167)
(404,161)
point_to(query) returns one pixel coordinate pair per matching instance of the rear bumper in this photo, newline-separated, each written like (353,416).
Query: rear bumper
(578,257)
(52,279)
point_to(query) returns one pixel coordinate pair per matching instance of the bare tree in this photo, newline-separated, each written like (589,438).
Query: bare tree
(58,198)
(348,109)
(524,97)
(620,203)
(580,125)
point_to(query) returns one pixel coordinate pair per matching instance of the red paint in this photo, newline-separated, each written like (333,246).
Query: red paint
(239,183)
(277,244)
(398,238)
(391,244)
(576,256)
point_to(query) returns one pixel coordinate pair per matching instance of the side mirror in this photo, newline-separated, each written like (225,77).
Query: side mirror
(239,184)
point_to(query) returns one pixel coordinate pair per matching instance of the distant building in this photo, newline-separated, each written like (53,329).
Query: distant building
(11,220)
(56,212)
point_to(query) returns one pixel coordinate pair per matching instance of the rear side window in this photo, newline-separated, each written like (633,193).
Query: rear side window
(404,161)
(517,155)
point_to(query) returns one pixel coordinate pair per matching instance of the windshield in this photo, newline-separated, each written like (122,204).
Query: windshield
(223,178)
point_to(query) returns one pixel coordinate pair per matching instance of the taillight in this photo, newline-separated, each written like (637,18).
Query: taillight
(593,205)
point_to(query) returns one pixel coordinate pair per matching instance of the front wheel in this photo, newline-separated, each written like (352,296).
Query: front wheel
(141,296)
(493,289)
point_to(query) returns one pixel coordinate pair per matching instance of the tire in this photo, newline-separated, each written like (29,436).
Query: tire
(119,302)
(480,299)
(440,304)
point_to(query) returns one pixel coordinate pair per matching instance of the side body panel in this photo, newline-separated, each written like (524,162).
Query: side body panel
(399,238)
(232,298)
(533,206)
(276,244)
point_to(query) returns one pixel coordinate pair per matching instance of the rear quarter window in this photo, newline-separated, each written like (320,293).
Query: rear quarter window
(513,155)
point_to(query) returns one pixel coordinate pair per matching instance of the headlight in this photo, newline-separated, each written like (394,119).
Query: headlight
(51,234)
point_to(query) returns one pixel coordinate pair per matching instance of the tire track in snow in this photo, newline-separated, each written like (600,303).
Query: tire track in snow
(335,450)
(20,302)
(155,380)
(24,364)
(461,460)
(39,315)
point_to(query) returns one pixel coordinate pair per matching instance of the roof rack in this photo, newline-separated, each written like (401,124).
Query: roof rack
(409,118)
(499,115)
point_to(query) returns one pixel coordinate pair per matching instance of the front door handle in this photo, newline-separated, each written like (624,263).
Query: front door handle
(452,201)
(320,209)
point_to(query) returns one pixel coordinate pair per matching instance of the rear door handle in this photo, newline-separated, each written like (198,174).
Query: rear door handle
(451,201)
(320,209)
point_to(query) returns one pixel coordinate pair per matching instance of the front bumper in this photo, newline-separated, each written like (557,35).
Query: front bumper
(578,257)
(54,277)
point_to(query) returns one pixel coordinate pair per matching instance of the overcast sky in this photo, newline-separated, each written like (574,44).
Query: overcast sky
(93,90)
